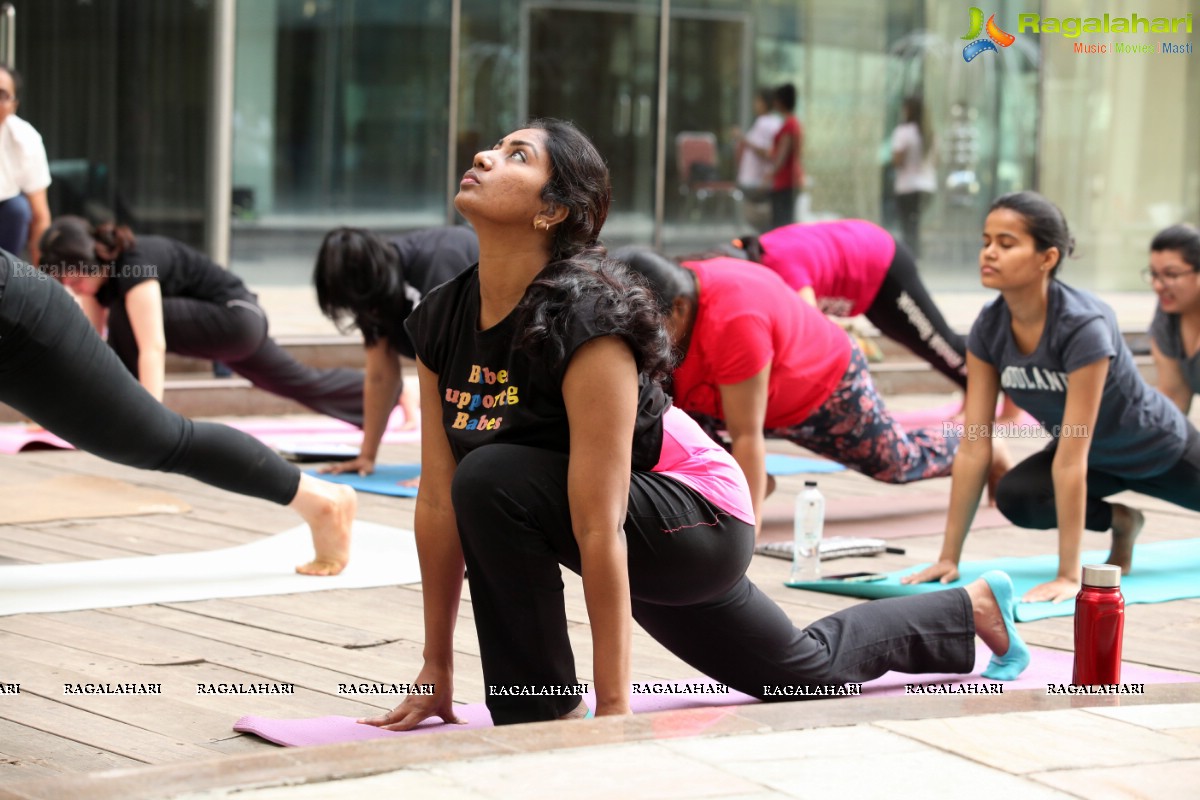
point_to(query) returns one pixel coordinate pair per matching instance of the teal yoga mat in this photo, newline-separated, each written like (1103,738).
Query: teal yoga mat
(796,465)
(384,480)
(1161,571)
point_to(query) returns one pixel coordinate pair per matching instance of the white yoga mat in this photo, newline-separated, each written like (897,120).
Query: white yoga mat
(380,555)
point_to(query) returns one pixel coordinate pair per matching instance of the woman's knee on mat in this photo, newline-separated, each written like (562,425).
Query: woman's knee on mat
(1025,507)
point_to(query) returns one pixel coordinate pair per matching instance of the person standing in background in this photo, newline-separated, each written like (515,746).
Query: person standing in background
(786,153)
(24,174)
(755,171)
(916,178)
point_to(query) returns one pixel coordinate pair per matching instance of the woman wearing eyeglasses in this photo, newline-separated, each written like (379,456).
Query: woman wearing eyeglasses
(1057,351)
(1175,331)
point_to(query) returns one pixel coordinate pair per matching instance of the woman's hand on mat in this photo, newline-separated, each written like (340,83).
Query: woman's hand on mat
(943,571)
(363,466)
(1054,591)
(417,708)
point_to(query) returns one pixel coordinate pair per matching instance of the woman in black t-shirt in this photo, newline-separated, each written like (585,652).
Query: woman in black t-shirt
(157,295)
(376,283)
(555,445)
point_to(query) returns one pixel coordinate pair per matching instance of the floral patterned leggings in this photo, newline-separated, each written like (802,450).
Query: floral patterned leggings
(854,428)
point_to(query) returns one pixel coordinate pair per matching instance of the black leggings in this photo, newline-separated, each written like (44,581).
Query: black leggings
(687,576)
(783,207)
(904,312)
(909,208)
(57,371)
(235,333)
(1025,496)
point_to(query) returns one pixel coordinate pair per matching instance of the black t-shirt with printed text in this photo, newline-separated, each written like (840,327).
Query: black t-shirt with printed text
(494,393)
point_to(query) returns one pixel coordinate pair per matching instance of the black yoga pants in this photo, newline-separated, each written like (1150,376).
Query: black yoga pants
(1025,495)
(235,334)
(687,574)
(904,312)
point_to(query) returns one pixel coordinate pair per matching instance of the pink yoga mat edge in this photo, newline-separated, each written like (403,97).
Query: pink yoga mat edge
(1048,667)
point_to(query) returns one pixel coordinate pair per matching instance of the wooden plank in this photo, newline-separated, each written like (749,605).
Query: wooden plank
(92,730)
(264,666)
(96,639)
(74,548)
(180,711)
(282,622)
(138,538)
(396,662)
(27,753)
(33,554)
(382,611)
(188,528)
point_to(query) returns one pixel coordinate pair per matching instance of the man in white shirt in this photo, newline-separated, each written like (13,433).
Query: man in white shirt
(24,175)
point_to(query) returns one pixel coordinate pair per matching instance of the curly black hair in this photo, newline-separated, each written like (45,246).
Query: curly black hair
(613,295)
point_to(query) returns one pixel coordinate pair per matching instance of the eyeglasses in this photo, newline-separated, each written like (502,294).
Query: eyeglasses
(1150,276)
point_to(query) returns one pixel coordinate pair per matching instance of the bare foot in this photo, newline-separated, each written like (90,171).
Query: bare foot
(1126,525)
(329,510)
(989,622)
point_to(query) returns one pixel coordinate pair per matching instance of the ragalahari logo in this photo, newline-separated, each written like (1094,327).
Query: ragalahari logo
(995,36)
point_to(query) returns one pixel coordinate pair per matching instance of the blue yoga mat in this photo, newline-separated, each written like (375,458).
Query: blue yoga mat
(795,465)
(1161,571)
(384,480)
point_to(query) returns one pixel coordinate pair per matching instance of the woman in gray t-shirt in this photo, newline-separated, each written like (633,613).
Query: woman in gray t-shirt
(1058,353)
(1175,331)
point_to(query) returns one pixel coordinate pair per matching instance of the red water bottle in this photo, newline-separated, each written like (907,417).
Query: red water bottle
(1099,624)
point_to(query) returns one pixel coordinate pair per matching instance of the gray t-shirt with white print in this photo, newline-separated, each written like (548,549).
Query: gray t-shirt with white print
(1165,331)
(1138,432)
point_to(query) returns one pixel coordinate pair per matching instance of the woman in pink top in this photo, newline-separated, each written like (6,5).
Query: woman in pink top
(759,362)
(850,267)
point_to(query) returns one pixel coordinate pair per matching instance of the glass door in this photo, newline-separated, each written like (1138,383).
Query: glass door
(599,68)
(121,94)
(709,90)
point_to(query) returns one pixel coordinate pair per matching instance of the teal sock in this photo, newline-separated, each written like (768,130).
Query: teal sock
(589,713)
(1008,666)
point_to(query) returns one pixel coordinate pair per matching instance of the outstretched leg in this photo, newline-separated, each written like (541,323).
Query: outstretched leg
(55,369)
(904,312)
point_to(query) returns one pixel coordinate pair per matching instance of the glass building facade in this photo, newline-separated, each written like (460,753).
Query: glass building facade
(251,127)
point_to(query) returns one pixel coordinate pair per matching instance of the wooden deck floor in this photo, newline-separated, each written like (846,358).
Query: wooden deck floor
(319,640)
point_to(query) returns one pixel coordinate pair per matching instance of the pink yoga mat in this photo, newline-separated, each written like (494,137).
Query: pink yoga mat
(926,417)
(932,417)
(15,438)
(1047,667)
(318,430)
(915,513)
(284,433)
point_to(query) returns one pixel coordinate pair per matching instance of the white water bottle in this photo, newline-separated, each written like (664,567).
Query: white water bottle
(809,524)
